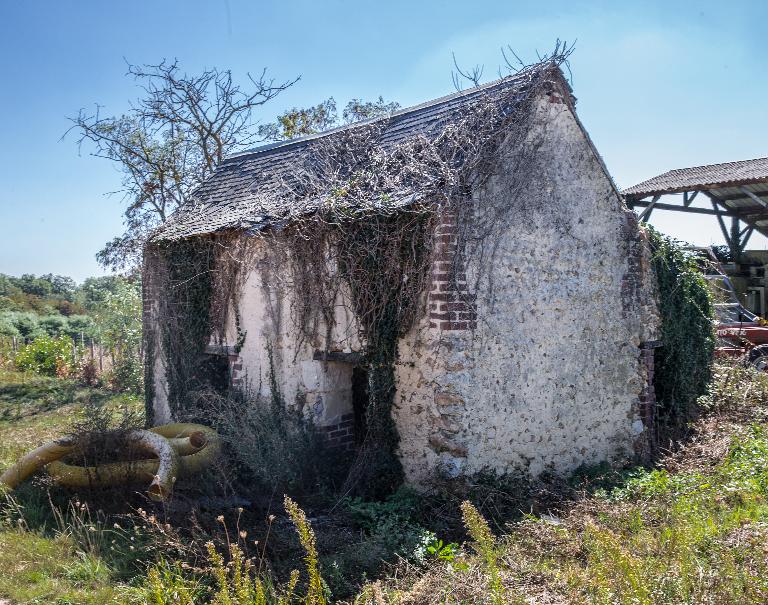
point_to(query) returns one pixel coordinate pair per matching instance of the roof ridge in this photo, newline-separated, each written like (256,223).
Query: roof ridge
(400,112)
(713,165)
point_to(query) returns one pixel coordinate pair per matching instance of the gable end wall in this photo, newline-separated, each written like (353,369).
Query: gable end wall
(554,374)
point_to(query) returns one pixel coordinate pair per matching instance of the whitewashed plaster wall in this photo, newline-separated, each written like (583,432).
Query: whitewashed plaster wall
(320,390)
(551,377)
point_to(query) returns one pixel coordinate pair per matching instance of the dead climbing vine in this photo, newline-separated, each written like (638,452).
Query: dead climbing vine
(361,229)
(192,286)
(352,226)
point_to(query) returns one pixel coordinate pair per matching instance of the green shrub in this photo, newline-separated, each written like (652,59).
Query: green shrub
(683,364)
(80,327)
(390,523)
(53,325)
(7,326)
(47,356)
(25,324)
(127,375)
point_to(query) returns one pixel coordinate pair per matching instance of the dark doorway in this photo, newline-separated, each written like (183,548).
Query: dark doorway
(359,402)
(213,373)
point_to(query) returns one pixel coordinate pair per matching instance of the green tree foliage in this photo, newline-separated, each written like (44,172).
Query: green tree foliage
(94,290)
(683,364)
(357,109)
(45,294)
(29,284)
(119,318)
(61,285)
(118,322)
(298,122)
(46,355)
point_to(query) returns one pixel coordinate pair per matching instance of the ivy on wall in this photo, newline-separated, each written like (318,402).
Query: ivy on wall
(182,275)
(683,364)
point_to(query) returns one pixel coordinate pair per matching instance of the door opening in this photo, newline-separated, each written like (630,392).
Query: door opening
(360,402)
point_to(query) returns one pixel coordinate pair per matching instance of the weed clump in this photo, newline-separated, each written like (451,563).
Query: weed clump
(273,447)
(315,588)
(485,545)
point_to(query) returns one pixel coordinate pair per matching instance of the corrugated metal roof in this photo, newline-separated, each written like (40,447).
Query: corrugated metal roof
(244,192)
(713,176)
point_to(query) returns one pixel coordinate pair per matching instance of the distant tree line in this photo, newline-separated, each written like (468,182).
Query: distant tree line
(51,325)
(54,305)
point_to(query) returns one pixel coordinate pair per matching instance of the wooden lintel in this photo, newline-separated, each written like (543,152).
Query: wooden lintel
(338,356)
(219,349)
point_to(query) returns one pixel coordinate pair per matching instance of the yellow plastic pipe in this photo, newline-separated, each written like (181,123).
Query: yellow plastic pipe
(168,463)
(182,449)
(202,443)
(36,459)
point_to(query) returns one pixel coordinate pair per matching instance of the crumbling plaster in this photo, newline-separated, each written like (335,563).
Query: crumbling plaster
(550,378)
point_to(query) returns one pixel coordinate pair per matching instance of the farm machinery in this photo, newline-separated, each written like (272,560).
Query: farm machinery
(740,333)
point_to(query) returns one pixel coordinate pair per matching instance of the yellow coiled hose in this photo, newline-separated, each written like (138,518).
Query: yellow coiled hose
(180,450)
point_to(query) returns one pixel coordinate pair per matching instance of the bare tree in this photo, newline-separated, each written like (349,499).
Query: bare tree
(473,75)
(171,140)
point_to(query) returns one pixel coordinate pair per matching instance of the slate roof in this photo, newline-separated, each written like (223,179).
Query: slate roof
(244,194)
(713,176)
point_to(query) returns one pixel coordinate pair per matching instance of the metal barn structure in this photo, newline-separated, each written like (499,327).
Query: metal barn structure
(736,195)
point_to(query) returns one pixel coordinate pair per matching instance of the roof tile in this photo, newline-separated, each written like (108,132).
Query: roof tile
(712,176)
(244,190)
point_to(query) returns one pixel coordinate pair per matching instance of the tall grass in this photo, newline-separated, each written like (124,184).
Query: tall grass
(486,547)
(315,590)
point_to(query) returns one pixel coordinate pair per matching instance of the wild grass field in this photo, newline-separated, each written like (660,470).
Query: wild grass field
(41,558)
(692,530)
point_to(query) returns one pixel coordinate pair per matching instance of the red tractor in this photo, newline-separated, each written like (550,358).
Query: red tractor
(739,331)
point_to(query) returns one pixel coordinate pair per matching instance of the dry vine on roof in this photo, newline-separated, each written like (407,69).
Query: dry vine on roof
(359,234)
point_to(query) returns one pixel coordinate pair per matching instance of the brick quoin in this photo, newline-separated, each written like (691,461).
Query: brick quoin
(236,373)
(341,436)
(451,306)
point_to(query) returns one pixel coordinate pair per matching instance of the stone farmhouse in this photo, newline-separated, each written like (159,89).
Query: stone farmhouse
(530,342)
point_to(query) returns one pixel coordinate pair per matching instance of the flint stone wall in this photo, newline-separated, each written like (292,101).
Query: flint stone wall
(540,369)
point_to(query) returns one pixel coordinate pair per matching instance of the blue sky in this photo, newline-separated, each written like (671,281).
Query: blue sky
(660,85)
